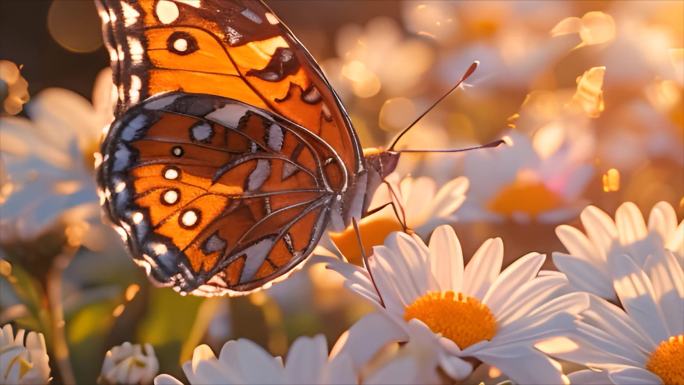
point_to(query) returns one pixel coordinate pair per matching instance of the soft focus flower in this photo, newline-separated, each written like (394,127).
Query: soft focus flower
(244,362)
(377,56)
(640,344)
(587,262)
(48,160)
(13,88)
(593,28)
(128,364)
(539,179)
(23,360)
(475,311)
(418,201)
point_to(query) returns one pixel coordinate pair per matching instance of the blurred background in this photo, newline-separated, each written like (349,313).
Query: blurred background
(588,93)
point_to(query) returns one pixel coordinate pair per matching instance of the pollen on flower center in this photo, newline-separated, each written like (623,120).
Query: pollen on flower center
(458,317)
(666,361)
(531,197)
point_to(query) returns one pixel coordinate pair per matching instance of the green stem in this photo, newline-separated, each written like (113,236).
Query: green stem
(54,298)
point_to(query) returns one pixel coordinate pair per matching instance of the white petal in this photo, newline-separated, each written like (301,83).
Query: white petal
(579,245)
(306,360)
(584,275)
(340,371)
(529,296)
(522,270)
(523,364)
(395,291)
(667,278)
(455,367)
(633,376)
(638,297)
(257,366)
(446,259)
(588,377)
(367,336)
(165,379)
(630,223)
(399,371)
(483,268)
(600,229)
(663,220)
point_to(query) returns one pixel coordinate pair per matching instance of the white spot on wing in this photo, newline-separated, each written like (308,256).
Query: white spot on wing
(201,132)
(161,103)
(256,254)
(180,45)
(134,92)
(192,3)
(248,13)
(170,197)
(171,173)
(275,137)
(228,115)
(130,14)
(271,18)
(189,218)
(133,127)
(233,36)
(167,11)
(136,50)
(259,175)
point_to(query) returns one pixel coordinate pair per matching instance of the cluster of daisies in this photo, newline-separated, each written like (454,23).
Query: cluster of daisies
(613,312)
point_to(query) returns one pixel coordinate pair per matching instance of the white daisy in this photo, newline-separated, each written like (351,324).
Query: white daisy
(642,344)
(586,263)
(539,179)
(244,362)
(476,311)
(128,364)
(48,160)
(23,358)
(418,201)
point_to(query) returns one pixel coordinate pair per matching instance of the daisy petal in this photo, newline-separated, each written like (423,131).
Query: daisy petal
(630,223)
(366,337)
(340,371)
(667,278)
(600,227)
(662,220)
(529,296)
(631,375)
(305,360)
(588,377)
(446,259)
(165,379)
(522,270)
(638,297)
(584,275)
(399,371)
(483,268)
(537,367)
(578,244)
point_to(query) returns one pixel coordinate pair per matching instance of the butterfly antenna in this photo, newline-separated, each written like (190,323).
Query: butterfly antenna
(495,143)
(465,76)
(365,259)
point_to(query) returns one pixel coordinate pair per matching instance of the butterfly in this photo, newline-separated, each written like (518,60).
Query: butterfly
(231,154)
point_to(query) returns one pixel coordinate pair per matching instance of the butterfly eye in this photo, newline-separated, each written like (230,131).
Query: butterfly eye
(181,43)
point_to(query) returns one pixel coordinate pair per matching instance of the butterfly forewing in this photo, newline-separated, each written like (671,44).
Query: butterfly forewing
(214,194)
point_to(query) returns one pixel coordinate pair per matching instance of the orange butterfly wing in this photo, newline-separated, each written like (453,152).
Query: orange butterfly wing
(209,194)
(232,48)
(208,232)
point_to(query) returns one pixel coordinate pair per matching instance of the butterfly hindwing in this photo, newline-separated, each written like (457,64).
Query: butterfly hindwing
(215,195)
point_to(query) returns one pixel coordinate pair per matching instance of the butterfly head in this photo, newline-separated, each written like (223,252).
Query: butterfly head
(381,161)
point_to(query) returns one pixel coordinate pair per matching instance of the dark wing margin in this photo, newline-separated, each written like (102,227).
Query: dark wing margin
(210,195)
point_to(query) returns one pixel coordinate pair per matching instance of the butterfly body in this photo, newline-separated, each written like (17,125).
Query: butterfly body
(231,154)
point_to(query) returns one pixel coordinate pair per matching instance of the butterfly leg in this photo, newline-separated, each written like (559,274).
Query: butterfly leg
(398,209)
(365,257)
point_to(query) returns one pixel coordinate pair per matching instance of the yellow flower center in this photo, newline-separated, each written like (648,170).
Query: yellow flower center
(373,229)
(667,361)
(526,196)
(456,316)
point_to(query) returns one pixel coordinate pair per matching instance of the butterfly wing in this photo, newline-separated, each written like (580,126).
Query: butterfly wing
(210,194)
(233,48)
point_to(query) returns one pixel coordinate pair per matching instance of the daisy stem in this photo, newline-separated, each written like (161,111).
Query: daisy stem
(54,298)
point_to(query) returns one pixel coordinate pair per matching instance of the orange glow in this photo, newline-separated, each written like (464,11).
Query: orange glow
(373,229)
